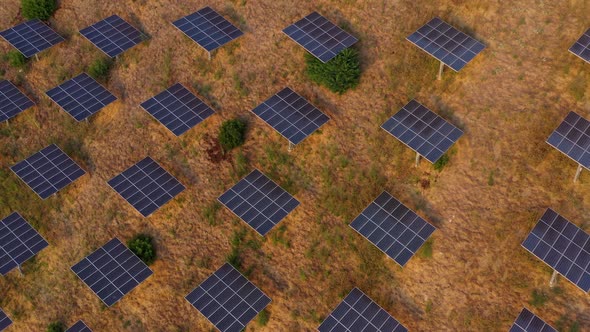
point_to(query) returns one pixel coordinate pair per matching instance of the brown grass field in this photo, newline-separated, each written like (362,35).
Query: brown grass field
(500,178)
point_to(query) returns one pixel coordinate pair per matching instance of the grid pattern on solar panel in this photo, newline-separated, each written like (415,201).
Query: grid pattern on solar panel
(31,37)
(357,312)
(228,300)
(581,47)
(146,186)
(259,201)
(422,130)
(12,101)
(393,228)
(447,44)
(291,115)
(572,138)
(529,322)
(112,271)
(48,171)
(80,326)
(320,37)
(4,320)
(177,109)
(113,35)
(81,97)
(18,242)
(563,246)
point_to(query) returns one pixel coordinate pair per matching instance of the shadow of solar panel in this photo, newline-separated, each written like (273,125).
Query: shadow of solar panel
(81,97)
(529,322)
(563,246)
(4,320)
(146,186)
(357,312)
(447,44)
(291,115)
(422,130)
(395,229)
(48,171)
(572,138)
(320,37)
(208,29)
(80,326)
(228,300)
(581,47)
(112,271)
(12,101)
(177,109)
(113,35)
(18,242)
(259,201)
(31,37)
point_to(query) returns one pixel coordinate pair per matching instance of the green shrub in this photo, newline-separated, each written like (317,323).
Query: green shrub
(142,246)
(16,59)
(263,317)
(231,134)
(99,68)
(41,9)
(341,73)
(538,298)
(56,327)
(441,162)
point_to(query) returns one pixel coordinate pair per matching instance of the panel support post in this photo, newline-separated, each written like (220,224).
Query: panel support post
(37,57)
(417,159)
(209,53)
(578,173)
(291,146)
(440,71)
(20,270)
(553,280)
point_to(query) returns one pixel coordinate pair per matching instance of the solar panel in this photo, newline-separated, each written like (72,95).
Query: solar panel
(31,37)
(357,312)
(447,44)
(146,186)
(80,326)
(12,101)
(228,300)
(572,138)
(395,229)
(113,35)
(81,97)
(48,171)
(422,130)
(259,201)
(18,242)
(291,115)
(177,109)
(563,246)
(208,29)
(112,271)
(320,37)
(4,320)
(529,322)
(581,47)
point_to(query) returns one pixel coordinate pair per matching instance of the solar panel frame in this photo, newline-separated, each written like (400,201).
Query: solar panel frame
(563,246)
(529,322)
(5,321)
(244,297)
(102,34)
(12,101)
(31,37)
(572,138)
(581,47)
(19,242)
(301,117)
(457,49)
(80,326)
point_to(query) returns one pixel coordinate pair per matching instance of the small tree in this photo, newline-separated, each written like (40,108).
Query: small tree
(232,134)
(341,73)
(56,327)
(41,9)
(99,68)
(142,246)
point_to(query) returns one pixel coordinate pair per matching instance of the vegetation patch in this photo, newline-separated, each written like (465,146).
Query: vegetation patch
(142,245)
(538,298)
(441,162)
(232,134)
(263,317)
(99,69)
(16,59)
(340,74)
(41,9)
(56,327)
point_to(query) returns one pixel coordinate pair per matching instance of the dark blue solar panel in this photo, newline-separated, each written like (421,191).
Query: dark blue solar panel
(581,47)
(112,271)
(447,44)
(31,37)
(291,115)
(228,300)
(208,29)
(48,171)
(4,320)
(113,35)
(572,138)
(177,109)
(146,186)
(80,326)
(18,242)
(12,101)
(563,246)
(81,97)
(422,130)
(529,322)
(259,201)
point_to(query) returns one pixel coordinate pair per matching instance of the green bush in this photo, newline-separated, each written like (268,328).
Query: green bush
(231,134)
(56,327)
(41,9)
(441,162)
(341,73)
(16,59)
(99,68)
(142,246)
(263,317)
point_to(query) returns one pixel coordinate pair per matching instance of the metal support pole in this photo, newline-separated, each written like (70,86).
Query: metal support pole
(21,271)
(440,71)
(37,57)
(291,146)
(553,280)
(209,55)
(417,159)
(578,173)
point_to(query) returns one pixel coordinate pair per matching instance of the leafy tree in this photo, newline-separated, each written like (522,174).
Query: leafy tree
(341,73)
(41,9)
(232,134)
(142,245)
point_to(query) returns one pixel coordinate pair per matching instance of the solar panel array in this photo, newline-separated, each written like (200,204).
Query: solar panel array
(31,37)
(357,312)
(146,186)
(208,29)
(291,115)
(112,271)
(4,320)
(447,44)
(259,201)
(529,322)
(563,246)
(395,229)
(572,138)
(80,326)
(113,35)
(581,47)
(81,97)
(228,300)
(178,109)
(319,36)
(18,242)
(48,171)
(12,101)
